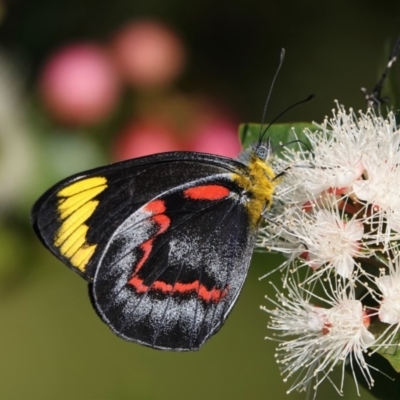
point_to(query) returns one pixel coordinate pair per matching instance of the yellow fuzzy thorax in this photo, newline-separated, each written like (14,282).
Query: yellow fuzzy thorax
(259,184)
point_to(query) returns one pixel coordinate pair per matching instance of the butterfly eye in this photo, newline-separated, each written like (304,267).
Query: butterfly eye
(262,152)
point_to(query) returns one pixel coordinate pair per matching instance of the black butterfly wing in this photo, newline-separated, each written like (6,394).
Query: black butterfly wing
(172,270)
(75,218)
(166,239)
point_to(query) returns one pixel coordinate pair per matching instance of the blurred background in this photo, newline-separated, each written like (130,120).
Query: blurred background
(85,83)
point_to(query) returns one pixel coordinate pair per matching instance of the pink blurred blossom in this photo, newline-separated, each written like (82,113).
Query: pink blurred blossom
(79,85)
(148,54)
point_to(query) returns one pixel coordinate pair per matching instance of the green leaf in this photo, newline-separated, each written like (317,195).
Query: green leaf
(394,358)
(392,352)
(279,133)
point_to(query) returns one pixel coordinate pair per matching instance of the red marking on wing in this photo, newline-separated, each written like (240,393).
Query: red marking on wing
(146,247)
(207,192)
(213,295)
(163,223)
(137,283)
(155,207)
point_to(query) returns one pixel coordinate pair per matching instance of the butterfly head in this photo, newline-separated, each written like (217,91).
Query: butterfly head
(261,150)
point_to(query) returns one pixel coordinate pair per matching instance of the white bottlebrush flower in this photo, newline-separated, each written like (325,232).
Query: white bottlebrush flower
(337,210)
(346,148)
(340,200)
(336,157)
(314,339)
(380,186)
(334,242)
(356,157)
(389,311)
(389,302)
(326,238)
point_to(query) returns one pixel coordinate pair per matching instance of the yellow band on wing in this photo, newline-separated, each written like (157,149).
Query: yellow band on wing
(75,206)
(80,186)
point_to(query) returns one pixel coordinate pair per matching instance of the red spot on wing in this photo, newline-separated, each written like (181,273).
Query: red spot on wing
(206,192)
(138,284)
(146,247)
(155,206)
(162,221)
(213,295)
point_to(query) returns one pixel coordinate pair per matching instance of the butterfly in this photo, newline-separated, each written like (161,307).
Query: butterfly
(164,241)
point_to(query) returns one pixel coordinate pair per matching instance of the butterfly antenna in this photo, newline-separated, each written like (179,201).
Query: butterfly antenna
(374,99)
(310,97)
(282,57)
